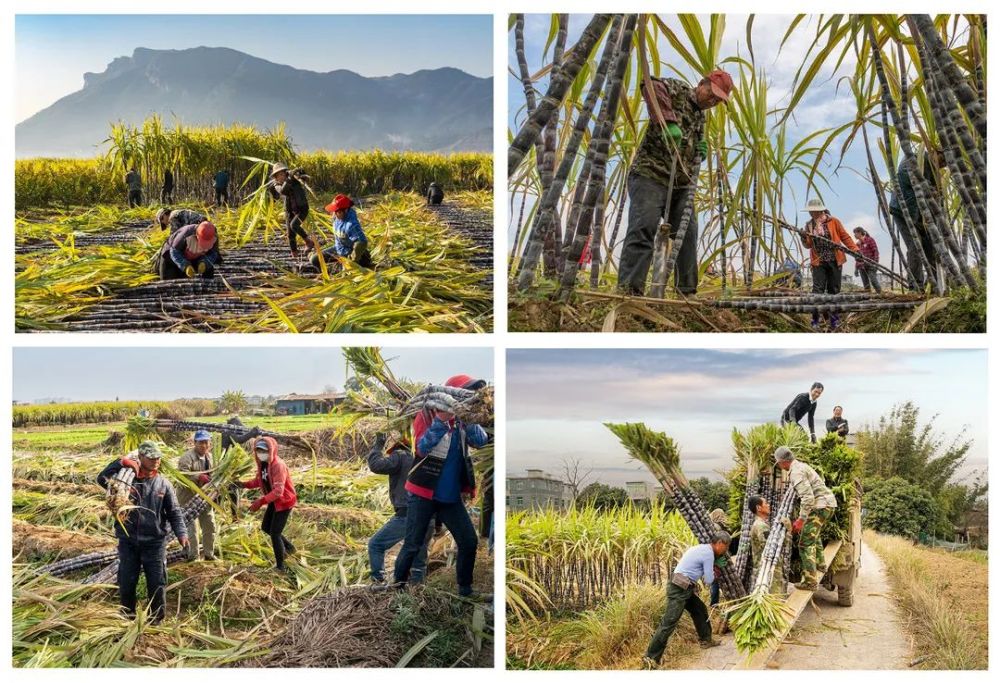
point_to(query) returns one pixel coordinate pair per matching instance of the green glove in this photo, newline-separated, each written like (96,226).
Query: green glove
(702,147)
(189,271)
(721,561)
(674,131)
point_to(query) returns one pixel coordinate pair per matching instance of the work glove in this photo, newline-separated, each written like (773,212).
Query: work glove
(702,148)
(129,462)
(256,505)
(674,131)
(721,561)
(203,479)
(202,267)
(189,271)
(797,526)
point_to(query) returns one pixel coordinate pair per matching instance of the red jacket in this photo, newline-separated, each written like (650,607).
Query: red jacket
(837,234)
(282,492)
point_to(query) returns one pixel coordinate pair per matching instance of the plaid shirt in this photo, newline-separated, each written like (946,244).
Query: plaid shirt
(868,249)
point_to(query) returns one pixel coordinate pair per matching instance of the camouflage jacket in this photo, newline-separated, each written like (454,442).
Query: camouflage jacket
(758,537)
(653,159)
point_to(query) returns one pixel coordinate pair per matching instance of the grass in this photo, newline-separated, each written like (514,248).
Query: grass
(944,598)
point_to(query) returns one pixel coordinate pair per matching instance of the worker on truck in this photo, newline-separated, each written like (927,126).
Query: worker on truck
(196,465)
(802,405)
(287,186)
(759,531)
(697,562)
(816,506)
(175,219)
(142,538)
(396,461)
(837,424)
(660,174)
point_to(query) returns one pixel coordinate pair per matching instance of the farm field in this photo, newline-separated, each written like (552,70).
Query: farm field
(85,262)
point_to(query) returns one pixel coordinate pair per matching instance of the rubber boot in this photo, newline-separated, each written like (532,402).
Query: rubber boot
(815,322)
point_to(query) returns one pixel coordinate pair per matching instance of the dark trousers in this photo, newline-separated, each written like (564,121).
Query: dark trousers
(917,278)
(168,270)
(333,259)
(150,558)
(391,533)
(134,197)
(869,278)
(293,223)
(714,594)
(826,280)
(273,524)
(221,196)
(167,195)
(456,519)
(679,600)
(647,206)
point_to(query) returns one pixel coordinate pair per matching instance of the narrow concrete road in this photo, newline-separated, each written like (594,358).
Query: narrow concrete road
(868,635)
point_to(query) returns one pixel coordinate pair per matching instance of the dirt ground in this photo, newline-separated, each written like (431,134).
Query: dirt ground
(827,636)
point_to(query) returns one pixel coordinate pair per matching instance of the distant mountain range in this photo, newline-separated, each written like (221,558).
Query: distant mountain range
(432,110)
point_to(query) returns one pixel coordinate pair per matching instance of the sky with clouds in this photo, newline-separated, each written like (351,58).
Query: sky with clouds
(557,400)
(147,373)
(52,52)
(827,104)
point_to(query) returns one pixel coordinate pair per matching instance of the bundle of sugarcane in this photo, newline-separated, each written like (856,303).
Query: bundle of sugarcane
(821,298)
(231,430)
(659,453)
(72,564)
(470,406)
(367,362)
(758,618)
(825,308)
(119,495)
(741,563)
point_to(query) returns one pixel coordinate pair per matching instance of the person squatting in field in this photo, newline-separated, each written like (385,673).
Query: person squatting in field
(697,562)
(803,404)
(142,537)
(286,186)
(435,195)
(441,475)
(821,233)
(660,175)
(350,241)
(196,466)
(191,251)
(277,493)
(394,460)
(175,219)
(816,506)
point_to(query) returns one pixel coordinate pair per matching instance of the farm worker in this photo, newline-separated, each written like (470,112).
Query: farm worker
(720,523)
(167,191)
(175,219)
(133,182)
(672,144)
(278,494)
(435,195)
(142,538)
(442,473)
(904,210)
(350,241)
(837,423)
(802,405)
(869,249)
(286,186)
(816,507)
(697,562)
(759,531)
(196,465)
(820,234)
(192,250)
(221,182)
(395,461)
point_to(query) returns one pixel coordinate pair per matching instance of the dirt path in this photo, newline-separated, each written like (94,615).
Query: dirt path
(868,635)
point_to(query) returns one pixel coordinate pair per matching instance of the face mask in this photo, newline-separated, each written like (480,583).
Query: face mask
(263,457)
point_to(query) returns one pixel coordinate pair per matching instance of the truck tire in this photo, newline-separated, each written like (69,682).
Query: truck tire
(845,596)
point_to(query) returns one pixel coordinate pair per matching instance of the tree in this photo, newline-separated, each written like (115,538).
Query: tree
(603,497)
(895,506)
(575,475)
(714,494)
(233,402)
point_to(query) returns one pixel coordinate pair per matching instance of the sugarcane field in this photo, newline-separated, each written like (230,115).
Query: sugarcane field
(720,510)
(254,526)
(812,173)
(242,189)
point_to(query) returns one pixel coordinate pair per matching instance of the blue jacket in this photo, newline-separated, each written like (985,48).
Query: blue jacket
(348,233)
(425,477)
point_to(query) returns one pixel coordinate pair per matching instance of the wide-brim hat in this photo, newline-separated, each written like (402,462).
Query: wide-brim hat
(278,168)
(815,205)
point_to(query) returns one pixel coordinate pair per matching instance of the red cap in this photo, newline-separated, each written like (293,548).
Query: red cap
(206,235)
(721,83)
(341,201)
(464,382)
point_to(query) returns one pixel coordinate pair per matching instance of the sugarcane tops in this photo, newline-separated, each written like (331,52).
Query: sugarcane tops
(654,158)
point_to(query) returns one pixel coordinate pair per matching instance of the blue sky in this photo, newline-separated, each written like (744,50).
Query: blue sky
(850,198)
(557,400)
(52,52)
(90,374)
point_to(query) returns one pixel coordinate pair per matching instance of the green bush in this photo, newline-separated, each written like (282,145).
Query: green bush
(895,506)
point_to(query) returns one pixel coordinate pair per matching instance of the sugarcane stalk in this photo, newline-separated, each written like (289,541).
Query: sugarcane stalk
(682,229)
